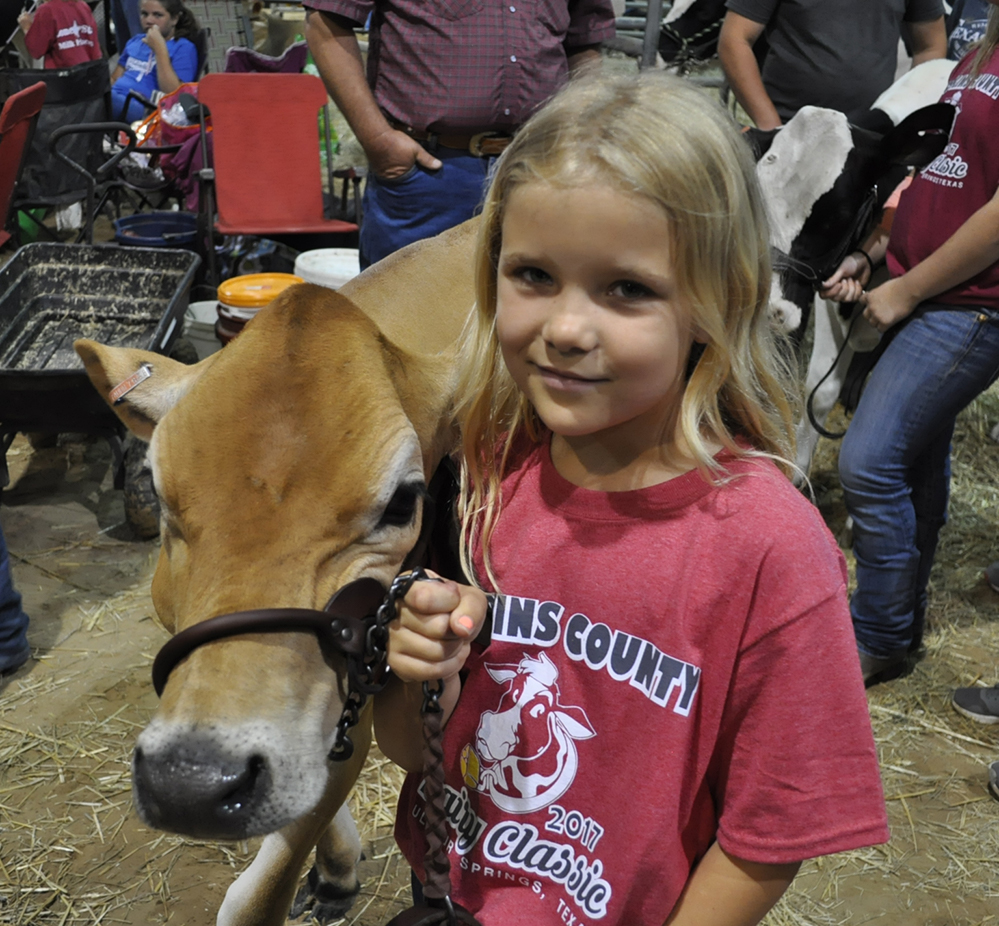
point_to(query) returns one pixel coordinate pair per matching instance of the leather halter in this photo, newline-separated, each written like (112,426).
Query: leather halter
(343,626)
(813,272)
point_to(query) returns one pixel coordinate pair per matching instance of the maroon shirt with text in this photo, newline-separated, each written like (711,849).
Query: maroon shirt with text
(64,33)
(668,666)
(960,181)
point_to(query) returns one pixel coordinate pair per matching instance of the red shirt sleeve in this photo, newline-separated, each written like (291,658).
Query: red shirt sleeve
(41,35)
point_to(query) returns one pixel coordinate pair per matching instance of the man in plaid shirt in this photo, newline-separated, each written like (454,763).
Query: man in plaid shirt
(448,82)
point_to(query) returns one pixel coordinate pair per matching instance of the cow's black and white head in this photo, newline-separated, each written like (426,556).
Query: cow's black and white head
(823,180)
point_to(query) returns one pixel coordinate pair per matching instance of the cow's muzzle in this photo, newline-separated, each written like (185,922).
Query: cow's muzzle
(354,624)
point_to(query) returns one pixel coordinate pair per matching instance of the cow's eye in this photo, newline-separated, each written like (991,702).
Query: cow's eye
(401,506)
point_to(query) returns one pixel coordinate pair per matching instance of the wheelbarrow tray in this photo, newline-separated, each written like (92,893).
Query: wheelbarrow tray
(52,294)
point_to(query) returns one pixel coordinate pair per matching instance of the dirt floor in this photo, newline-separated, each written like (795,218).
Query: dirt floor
(73,851)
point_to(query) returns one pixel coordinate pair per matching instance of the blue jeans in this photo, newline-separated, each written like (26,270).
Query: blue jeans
(421,203)
(894,464)
(13,621)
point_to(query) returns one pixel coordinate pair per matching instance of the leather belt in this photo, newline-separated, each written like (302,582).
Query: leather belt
(480,145)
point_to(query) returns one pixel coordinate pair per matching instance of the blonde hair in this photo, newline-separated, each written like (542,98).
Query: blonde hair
(989,43)
(658,137)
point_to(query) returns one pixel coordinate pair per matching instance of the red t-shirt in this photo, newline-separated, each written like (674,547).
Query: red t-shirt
(960,181)
(64,33)
(668,666)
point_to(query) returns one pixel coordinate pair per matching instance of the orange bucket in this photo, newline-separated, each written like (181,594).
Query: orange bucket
(242,297)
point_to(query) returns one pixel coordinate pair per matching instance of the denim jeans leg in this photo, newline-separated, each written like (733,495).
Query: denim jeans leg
(420,204)
(126,19)
(13,621)
(930,483)
(894,464)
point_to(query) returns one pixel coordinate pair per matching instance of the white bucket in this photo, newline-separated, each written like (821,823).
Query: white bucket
(199,327)
(328,266)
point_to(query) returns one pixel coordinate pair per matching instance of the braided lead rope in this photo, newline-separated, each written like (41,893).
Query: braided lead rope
(436,862)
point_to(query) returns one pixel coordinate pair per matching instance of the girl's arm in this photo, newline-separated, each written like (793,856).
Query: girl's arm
(854,272)
(972,248)
(166,76)
(430,640)
(727,891)
(116,73)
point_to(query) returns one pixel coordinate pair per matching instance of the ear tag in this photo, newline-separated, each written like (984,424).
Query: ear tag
(117,395)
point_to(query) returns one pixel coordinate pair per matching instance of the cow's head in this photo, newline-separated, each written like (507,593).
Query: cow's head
(288,464)
(824,180)
(526,744)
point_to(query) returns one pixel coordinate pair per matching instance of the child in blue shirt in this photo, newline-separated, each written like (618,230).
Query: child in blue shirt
(162,58)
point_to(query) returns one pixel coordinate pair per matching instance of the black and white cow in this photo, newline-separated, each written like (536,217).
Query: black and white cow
(824,181)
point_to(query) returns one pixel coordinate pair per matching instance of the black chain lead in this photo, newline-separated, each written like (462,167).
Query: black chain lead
(432,697)
(369,675)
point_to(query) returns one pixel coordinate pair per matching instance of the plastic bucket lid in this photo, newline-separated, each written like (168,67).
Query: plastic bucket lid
(328,266)
(253,291)
(157,229)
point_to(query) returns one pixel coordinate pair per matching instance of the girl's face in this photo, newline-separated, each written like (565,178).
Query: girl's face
(588,317)
(153,13)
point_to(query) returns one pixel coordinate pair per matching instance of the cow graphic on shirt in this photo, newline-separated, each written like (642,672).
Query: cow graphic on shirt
(525,753)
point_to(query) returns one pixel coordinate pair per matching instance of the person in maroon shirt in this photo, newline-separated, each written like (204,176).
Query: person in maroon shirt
(447,85)
(941,311)
(63,32)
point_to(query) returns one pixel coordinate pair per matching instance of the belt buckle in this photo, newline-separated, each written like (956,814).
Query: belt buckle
(475,143)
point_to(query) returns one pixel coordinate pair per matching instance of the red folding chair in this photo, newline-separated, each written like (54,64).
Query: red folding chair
(17,125)
(265,157)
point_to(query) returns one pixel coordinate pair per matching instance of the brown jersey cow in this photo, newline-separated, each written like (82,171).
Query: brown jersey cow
(276,461)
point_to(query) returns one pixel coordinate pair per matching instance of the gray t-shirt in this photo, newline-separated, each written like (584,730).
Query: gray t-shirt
(840,54)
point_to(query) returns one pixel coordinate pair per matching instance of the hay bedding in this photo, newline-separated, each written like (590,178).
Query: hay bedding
(73,852)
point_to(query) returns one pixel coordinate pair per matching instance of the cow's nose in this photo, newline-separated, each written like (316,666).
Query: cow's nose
(199,794)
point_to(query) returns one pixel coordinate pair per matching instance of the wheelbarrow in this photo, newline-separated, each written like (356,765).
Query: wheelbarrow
(52,294)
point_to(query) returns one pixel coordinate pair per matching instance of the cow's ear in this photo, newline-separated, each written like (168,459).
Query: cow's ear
(140,386)
(919,137)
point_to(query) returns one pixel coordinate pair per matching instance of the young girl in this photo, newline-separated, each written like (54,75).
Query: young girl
(942,307)
(162,58)
(669,716)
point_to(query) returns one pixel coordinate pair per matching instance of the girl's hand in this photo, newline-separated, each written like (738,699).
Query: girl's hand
(25,20)
(888,304)
(154,39)
(432,636)
(848,282)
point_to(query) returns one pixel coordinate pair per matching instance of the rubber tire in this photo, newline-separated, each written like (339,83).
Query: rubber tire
(142,507)
(184,351)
